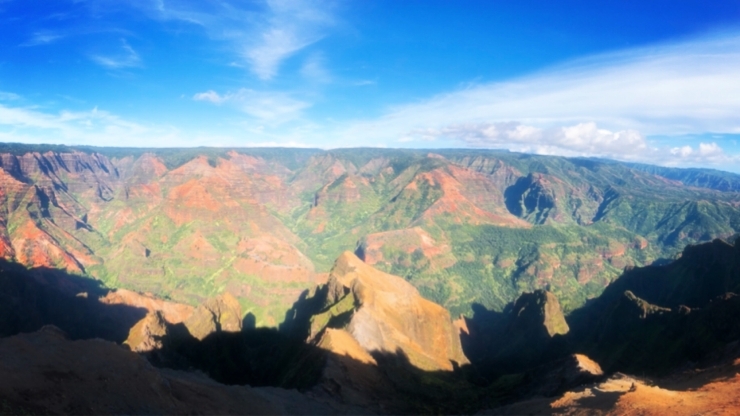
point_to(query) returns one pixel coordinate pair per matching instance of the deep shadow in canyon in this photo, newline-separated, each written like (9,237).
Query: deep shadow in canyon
(32,298)
(651,321)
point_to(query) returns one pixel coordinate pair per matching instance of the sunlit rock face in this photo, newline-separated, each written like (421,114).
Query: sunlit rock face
(389,316)
(221,313)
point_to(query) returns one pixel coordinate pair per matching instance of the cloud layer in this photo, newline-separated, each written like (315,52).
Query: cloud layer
(583,139)
(600,106)
(691,87)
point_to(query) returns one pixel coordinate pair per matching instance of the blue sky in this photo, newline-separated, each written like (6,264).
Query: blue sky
(645,81)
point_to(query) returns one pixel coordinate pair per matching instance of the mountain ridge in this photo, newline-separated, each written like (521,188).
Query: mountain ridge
(145,219)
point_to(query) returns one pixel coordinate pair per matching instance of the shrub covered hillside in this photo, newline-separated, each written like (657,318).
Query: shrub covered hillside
(464,227)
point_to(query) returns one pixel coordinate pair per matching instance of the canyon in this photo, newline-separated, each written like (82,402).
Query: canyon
(362,280)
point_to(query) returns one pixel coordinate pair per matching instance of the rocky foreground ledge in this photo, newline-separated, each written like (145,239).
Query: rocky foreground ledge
(46,373)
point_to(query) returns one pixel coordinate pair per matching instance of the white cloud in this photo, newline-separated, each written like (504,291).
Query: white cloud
(703,154)
(268,107)
(276,45)
(684,88)
(293,25)
(607,105)
(210,95)
(583,139)
(364,82)
(262,39)
(127,59)
(580,139)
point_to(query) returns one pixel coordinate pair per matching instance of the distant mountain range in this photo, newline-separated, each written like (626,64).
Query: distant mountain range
(465,227)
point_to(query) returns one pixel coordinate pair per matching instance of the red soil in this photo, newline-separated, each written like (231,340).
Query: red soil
(712,391)
(408,240)
(36,248)
(454,201)
(273,260)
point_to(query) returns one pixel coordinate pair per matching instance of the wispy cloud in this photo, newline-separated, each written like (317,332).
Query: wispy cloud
(92,127)
(269,107)
(292,26)
(126,58)
(364,82)
(261,38)
(42,38)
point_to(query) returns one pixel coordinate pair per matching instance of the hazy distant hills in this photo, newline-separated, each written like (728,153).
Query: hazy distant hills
(463,226)
(701,178)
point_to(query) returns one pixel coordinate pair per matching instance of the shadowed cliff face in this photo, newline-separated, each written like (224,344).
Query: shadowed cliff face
(529,332)
(30,299)
(655,318)
(45,373)
(642,323)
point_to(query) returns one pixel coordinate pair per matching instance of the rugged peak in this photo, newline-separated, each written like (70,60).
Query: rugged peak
(349,268)
(198,166)
(148,334)
(643,308)
(388,315)
(149,166)
(347,262)
(540,309)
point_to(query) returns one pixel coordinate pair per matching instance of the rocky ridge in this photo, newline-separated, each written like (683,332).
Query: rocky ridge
(44,372)
(386,314)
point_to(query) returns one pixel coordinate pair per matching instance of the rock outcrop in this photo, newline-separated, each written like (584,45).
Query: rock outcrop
(528,333)
(383,313)
(564,374)
(653,319)
(148,334)
(538,312)
(222,313)
(172,312)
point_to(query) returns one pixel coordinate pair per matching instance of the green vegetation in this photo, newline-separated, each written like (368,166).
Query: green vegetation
(335,316)
(498,223)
